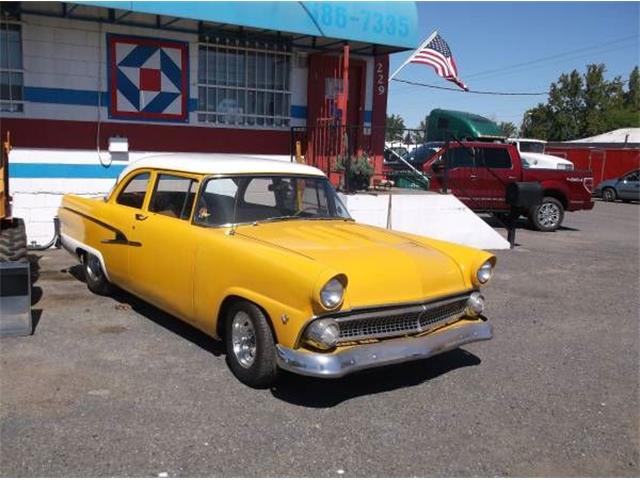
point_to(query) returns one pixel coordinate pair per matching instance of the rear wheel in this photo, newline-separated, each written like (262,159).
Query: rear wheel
(13,241)
(251,350)
(609,195)
(94,275)
(548,215)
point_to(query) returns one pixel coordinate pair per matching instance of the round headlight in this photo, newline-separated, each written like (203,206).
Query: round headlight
(322,333)
(475,305)
(331,294)
(485,272)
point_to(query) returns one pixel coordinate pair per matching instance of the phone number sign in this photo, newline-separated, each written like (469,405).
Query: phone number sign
(376,22)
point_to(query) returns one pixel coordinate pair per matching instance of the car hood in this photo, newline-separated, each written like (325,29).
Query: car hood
(382,266)
(543,159)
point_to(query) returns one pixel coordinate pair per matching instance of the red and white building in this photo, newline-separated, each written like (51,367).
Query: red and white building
(86,87)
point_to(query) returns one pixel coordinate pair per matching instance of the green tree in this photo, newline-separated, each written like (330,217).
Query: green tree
(419,135)
(509,129)
(394,128)
(537,122)
(585,105)
(632,97)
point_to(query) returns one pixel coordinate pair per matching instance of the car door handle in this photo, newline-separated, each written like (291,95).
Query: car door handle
(473,176)
(140,216)
(512,177)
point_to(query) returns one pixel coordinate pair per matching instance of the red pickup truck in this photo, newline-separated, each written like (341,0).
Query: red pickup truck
(479,172)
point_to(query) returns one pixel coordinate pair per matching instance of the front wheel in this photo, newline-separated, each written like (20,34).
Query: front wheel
(548,215)
(609,195)
(94,275)
(251,350)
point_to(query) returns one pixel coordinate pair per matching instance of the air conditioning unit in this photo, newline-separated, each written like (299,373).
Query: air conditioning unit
(118,144)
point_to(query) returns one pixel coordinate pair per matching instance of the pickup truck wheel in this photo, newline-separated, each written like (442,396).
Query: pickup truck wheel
(94,275)
(251,350)
(548,215)
(609,195)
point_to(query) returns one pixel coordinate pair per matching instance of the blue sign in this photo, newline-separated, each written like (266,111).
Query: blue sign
(392,24)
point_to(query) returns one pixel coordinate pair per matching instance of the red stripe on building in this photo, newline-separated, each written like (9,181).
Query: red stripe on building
(37,133)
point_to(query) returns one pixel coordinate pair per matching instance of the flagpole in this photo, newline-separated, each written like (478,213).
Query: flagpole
(419,49)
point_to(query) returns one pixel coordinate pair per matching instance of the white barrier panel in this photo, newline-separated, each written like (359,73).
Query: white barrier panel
(429,214)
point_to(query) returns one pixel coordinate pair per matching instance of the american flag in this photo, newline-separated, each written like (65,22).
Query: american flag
(438,54)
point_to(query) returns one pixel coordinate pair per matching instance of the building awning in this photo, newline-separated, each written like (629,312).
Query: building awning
(373,27)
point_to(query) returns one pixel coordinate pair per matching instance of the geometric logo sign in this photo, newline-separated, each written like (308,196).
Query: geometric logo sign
(148,78)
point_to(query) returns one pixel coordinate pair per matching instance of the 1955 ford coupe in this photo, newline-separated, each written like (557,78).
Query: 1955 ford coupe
(264,255)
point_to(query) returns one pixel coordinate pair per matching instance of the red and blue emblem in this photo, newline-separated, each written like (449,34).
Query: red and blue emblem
(148,78)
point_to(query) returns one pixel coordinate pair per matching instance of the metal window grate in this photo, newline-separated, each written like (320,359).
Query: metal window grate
(243,84)
(11,71)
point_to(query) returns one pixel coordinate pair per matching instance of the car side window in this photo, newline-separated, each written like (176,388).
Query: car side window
(632,177)
(132,195)
(173,196)
(459,157)
(496,158)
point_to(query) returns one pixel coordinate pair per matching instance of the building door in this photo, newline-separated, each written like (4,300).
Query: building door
(325,99)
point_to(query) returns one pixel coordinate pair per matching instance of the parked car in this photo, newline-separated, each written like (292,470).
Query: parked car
(625,188)
(532,154)
(479,173)
(264,255)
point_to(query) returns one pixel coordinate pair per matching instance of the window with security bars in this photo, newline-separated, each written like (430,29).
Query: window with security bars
(244,85)
(11,74)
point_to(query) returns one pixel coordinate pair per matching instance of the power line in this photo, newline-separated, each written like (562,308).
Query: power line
(552,57)
(477,92)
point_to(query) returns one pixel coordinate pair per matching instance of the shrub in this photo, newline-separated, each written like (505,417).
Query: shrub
(360,171)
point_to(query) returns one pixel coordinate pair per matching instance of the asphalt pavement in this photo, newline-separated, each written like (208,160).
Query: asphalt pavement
(110,386)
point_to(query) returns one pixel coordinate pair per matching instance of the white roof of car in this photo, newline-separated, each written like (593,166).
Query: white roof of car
(219,163)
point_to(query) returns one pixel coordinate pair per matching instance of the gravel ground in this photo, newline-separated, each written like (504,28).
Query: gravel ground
(113,387)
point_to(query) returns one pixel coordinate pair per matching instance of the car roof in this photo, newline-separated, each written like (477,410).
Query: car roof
(516,139)
(219,163)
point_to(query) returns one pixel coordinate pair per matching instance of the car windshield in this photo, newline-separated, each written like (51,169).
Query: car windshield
(261,198)
(533,147)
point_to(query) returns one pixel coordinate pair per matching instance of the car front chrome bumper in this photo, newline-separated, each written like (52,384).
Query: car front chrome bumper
(387,352)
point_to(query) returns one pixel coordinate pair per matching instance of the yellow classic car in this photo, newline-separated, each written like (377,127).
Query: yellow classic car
(264,255)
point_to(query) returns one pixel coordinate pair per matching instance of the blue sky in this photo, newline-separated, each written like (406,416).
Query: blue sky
(487,36)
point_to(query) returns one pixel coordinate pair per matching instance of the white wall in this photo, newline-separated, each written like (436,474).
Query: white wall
(71,54)
(432,215)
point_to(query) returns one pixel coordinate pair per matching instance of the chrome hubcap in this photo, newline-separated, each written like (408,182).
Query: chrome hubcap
(548,214)
(608,195)
(243,339)
(93,268)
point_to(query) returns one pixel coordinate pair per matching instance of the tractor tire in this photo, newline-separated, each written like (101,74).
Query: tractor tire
(13,242)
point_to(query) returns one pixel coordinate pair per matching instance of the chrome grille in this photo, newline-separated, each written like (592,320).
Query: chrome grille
(395,322)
